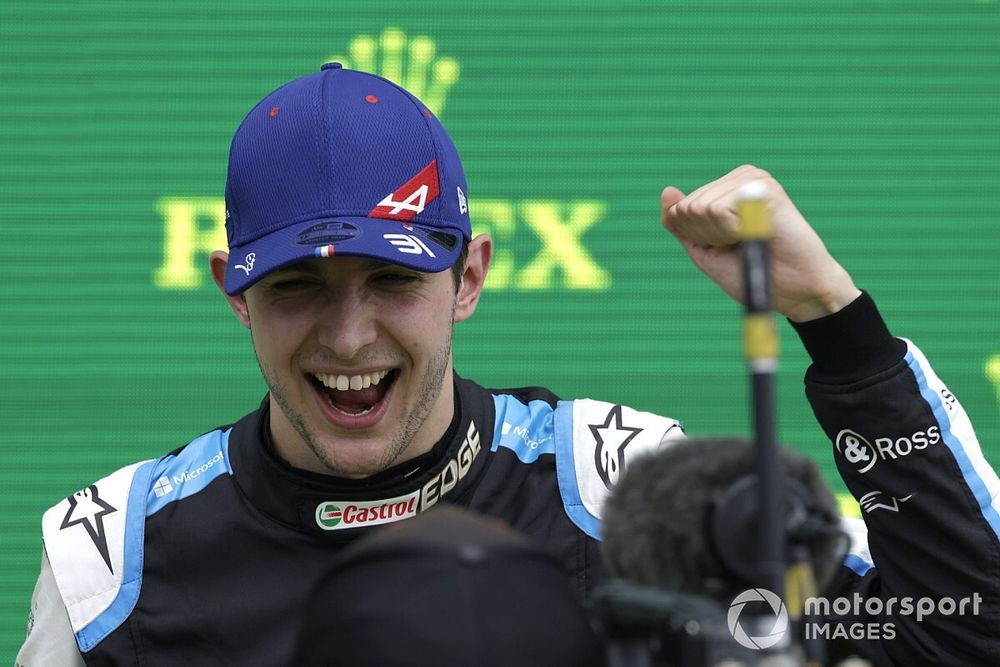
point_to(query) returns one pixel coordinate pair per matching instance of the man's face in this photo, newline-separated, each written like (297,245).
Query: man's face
(357,356)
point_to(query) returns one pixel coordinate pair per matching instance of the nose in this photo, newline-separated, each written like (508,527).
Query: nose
(348,323)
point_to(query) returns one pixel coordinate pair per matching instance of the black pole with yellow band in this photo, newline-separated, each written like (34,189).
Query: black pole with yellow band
(760,344)
(760,348)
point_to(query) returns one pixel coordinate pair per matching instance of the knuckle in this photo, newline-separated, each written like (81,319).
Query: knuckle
(716,210)
(773,186)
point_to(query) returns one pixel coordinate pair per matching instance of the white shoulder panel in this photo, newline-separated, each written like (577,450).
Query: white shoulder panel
(595,441)
(85,543)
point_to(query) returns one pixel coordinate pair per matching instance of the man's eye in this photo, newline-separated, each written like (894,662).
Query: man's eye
(396,278)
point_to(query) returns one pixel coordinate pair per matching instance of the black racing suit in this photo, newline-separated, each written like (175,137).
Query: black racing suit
(204,557)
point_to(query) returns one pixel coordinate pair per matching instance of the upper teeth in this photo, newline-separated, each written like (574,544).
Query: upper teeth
(355,382)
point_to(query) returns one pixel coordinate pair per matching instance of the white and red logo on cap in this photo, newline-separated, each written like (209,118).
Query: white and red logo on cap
(411,197)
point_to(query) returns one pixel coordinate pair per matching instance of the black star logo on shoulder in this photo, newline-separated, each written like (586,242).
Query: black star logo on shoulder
(87,509)
(612,438)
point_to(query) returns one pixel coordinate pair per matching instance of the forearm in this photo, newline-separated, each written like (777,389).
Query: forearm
(907,452)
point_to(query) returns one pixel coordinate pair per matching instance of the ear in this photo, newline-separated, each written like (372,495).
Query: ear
(218,261)
(477,264)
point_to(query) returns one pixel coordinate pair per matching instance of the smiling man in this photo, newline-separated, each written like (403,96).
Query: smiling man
(350,259)
(356,351)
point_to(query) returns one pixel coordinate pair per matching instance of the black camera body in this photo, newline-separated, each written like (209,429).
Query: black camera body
(650,627)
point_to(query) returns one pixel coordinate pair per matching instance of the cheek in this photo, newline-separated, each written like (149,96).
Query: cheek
(436,318)
(425,333)
(274,337)
(266,349)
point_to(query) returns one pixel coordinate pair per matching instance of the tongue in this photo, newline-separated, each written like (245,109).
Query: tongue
(356,401)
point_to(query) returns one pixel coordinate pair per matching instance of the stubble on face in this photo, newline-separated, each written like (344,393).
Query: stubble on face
(426,394)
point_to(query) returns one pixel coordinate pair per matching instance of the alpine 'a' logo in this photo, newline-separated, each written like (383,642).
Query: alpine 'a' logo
(420,196)
(411,197)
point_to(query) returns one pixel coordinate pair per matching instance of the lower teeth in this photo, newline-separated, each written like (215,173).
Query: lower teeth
(350,411)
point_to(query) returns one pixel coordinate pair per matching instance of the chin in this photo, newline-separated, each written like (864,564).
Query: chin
(362,459)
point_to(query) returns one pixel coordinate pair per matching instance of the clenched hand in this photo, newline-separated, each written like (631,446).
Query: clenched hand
(807,282)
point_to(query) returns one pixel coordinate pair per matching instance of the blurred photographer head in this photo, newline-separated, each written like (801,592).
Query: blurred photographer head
(447,587)
(684,518)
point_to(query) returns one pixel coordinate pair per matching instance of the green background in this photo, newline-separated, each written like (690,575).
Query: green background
(881,118)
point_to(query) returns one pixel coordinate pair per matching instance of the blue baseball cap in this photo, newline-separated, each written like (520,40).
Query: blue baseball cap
(342,162)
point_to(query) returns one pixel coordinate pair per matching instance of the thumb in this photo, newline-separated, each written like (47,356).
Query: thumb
(668,198)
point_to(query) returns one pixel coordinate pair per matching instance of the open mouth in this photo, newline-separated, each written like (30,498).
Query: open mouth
(354,395)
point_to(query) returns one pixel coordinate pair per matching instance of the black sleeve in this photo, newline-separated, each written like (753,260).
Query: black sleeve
(908,453)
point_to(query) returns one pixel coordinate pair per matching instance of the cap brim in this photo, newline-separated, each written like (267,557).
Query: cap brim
(415,246)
